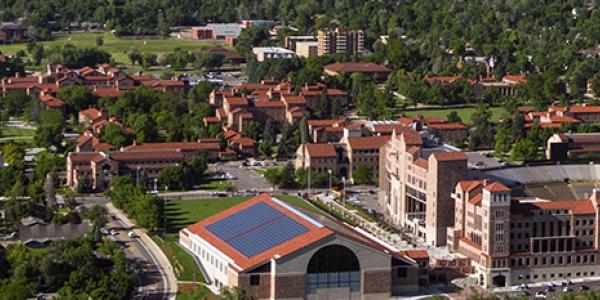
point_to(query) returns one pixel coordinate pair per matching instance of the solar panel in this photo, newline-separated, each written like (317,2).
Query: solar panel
(256,229)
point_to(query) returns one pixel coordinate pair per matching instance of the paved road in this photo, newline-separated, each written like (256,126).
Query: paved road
(245,178)
(156,277)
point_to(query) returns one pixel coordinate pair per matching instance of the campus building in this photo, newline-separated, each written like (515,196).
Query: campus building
(98,165)
(275,251)
(415,183)
(562,147)
(340,41)
(513,241)
(343,157)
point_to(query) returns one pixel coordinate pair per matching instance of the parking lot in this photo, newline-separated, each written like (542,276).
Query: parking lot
(553,289)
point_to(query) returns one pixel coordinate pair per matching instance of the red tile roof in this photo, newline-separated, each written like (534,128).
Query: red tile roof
(313,234)
(172,146)
(468,185)
(496,187)
(321,150)
(584,109)
(387,128)
(274,104)
(326,122)
(422,163)
(576,207)
(351,67)
(475,200)
(51,101)
(367,143)
(106,92)
(411,137)
(294,99)
(146,155)
(448,126)
(239,101)
(415,254)
(449,156)
(519,78)
(245,141)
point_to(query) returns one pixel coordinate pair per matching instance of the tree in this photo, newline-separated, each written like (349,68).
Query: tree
(198,167)
(13,155)
(115,135)
(84,184)
(209,60)
(149,59)
(453,117)
(135,56)
(171,177)
(49,190)
(15,103)
(200,93)
(178,59)
(363,175)
(286,177)
(50,132)
(264,148)
(232,293)
(99,40)
(523,150)
(77,98)
(481,133)
(304,131)
(595,84)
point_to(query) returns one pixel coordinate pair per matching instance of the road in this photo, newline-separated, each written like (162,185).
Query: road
(156,277)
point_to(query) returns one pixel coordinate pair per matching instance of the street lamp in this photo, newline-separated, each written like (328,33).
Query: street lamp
(329,171)
(344,196)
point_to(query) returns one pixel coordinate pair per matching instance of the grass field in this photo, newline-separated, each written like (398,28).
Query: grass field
(216,185)
(185,212)
(16,135)
(464,113)
(114,45)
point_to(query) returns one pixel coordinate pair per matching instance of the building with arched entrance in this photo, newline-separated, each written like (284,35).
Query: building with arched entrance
(275,251)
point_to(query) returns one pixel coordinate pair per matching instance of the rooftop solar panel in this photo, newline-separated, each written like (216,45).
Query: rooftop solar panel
(256,229)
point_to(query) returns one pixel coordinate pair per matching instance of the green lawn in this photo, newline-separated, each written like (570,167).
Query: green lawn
(115,46)
(185,212)
(16,135)
(216,185)
(464,113)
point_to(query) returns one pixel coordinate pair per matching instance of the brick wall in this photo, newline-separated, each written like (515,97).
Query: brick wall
(261,291)
(376,281)
(289,286)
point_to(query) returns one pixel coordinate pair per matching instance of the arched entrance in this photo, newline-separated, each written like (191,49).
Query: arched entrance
(333,266)
(499,281)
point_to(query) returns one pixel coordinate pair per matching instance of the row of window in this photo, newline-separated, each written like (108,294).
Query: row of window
(552,260)
(558,275)
(207,257)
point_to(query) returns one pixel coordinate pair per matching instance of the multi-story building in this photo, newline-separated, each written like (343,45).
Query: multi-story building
(11,32)
(151,158)
(275,251)
(514,241)
(561,147)
(216,31)
(268,53)
(307,49)
(340,41)
(415,184)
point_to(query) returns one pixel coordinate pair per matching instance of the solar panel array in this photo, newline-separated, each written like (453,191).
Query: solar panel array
(256,229)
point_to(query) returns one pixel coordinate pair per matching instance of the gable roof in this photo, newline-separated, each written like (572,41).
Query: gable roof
(321,150)
(369,142)
(262,229)
(352,67)
(449,156)
(496,187)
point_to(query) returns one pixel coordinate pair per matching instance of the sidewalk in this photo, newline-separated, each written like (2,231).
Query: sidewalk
(159,258)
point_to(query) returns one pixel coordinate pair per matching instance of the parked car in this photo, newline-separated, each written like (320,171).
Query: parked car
(132,234)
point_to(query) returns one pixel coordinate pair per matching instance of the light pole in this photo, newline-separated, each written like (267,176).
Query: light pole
(308,192)
(344,196)
(137,176)
(329,171)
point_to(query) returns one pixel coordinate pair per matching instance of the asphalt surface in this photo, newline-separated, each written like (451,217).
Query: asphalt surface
(151,283)
(245,178)
(554,292)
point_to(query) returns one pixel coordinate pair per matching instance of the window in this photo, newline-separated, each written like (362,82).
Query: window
(401,273)
(254,279)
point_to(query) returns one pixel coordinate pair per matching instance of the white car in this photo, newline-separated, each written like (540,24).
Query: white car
(540,295)
(132,234)
(567,289)
(113,232)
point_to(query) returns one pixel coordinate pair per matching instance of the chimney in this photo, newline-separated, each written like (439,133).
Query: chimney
(485,182)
